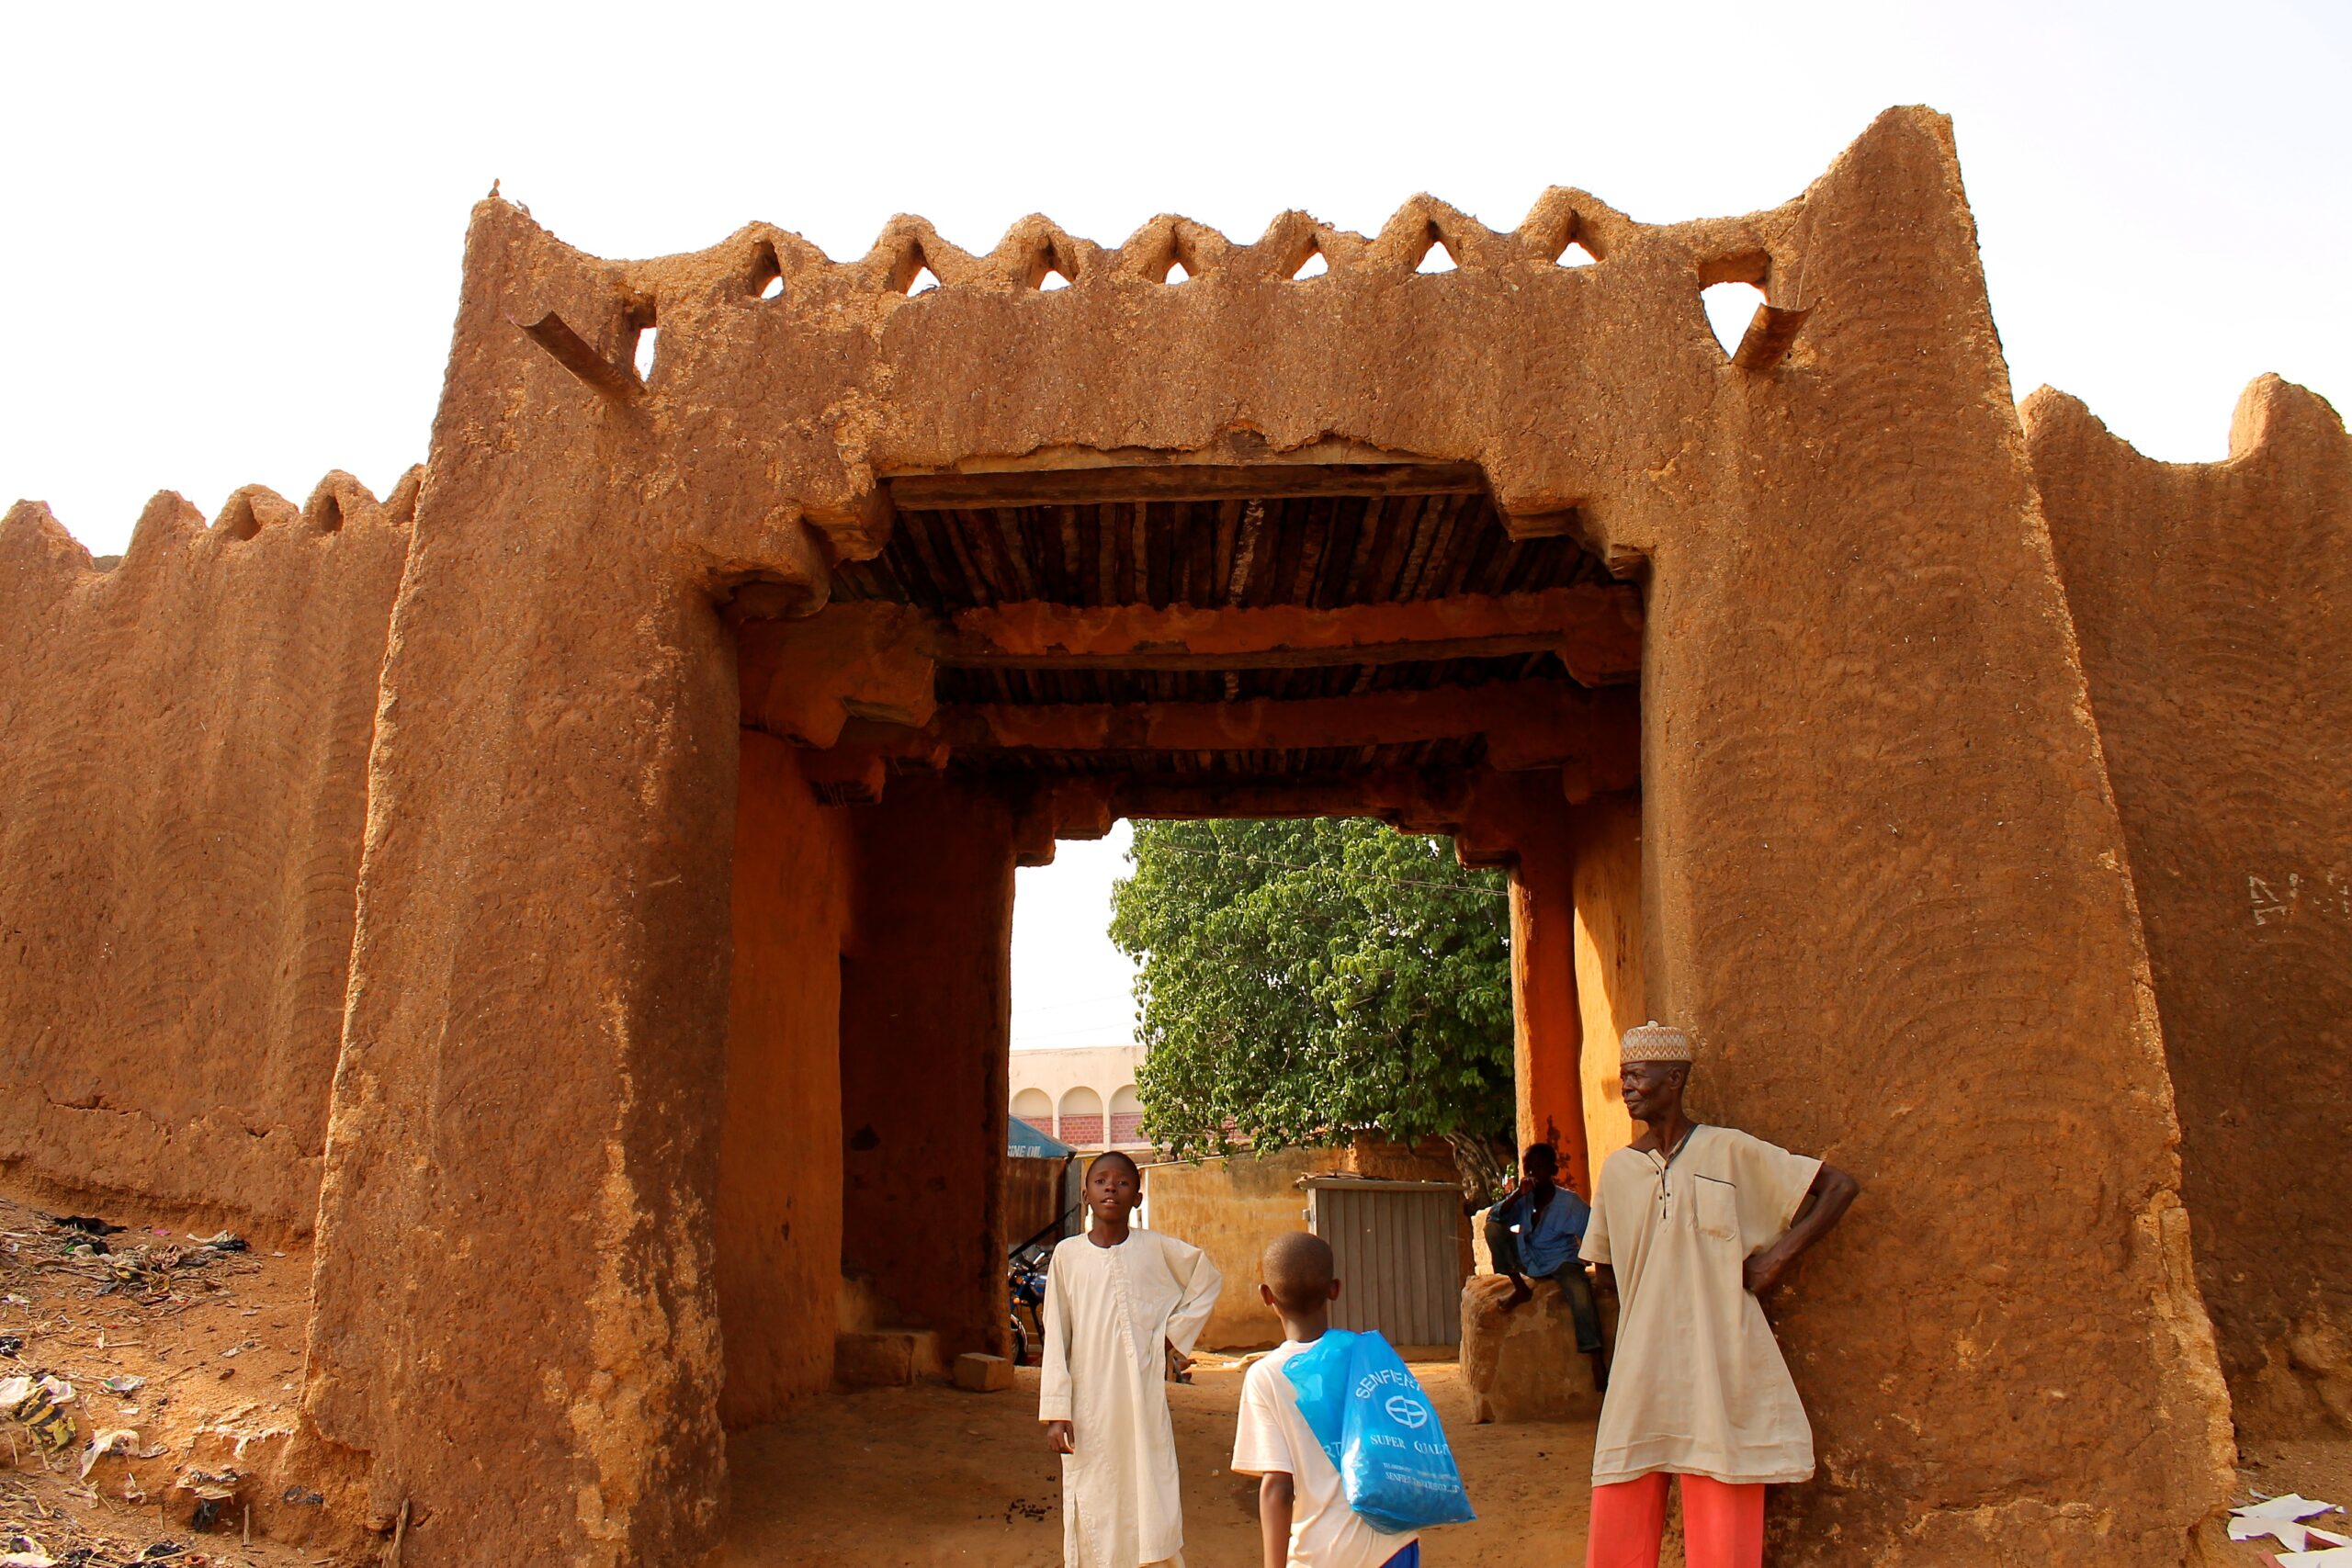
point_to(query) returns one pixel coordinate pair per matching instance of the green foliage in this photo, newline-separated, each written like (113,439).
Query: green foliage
(1309,980)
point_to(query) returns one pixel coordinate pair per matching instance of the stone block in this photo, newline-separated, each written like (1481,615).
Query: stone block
(876,1358)
(1524,1365)
(982,1373)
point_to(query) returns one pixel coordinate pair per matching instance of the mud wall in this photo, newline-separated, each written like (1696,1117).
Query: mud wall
(779,1206)
(926,1033)
(1610,985)
(183,742)
(1230,1207)
(2213,603)
(1888,899)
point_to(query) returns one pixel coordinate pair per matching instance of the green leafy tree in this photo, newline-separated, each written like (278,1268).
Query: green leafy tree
(1306,981)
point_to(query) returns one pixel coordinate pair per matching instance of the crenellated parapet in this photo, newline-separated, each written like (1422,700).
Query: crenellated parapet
(181,790)
(1181,344)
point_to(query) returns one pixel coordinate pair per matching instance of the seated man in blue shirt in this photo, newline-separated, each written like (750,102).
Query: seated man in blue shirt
(1534,1233)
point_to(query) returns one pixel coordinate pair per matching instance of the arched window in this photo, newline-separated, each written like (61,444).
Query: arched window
(1126,1119)
(1081,1119)
(1035,1107)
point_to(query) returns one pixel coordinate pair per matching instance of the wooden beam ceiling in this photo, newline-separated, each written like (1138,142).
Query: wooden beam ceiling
(1595,629)
(801,679)
(1182,481)
(1517,708)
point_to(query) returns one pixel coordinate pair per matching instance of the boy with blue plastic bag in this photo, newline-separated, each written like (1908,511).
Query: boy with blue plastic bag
(1350,1457)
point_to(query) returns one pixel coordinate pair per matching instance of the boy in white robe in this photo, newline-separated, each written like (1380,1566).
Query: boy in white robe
(1119,1304)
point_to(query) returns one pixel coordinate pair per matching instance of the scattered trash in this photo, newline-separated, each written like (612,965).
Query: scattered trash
(122,1383)
(132,1493)
(2280,1518)
(225,1241)
(88,1225)
(302,1499)
(2293,1506)
(14,1300)
(11,1344)
(163,1548)
(114,1441)
(34,1559)
(39,1404)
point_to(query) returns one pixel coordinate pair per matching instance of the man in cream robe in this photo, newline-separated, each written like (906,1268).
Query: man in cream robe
(1110,1312)
(1691,1224)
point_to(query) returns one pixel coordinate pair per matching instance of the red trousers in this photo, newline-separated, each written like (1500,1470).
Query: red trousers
(1723,1526)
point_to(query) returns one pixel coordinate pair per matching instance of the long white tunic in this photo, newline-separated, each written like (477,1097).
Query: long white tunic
(1108,1311)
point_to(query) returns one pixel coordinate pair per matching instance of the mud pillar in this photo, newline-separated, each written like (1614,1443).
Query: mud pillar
(779,1206)
(1891,903)
(1611,991)
(926,1026)
(1548,1024)
(515,1339)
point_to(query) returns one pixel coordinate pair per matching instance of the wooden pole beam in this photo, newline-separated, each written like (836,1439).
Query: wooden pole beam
(1543,721)
(1182,481)
(1596,628)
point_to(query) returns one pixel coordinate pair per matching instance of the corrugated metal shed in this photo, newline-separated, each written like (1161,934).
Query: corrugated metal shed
(1398,1255)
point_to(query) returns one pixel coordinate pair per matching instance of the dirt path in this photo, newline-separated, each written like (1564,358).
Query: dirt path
(891,1478)
(897,1478)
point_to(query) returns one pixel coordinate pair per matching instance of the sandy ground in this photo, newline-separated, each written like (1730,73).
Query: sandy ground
(216,1337)
(877,1479)
(892,1477)
(898,1477)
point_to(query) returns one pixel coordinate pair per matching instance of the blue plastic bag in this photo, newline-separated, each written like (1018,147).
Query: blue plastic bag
(1377,1427)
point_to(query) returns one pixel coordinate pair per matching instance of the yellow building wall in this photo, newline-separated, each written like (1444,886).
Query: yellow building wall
(1232,1206)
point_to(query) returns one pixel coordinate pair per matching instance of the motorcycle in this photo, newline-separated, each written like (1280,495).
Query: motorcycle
(1026,1283)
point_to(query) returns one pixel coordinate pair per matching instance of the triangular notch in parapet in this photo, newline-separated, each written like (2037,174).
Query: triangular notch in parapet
(1436,255)
(912,275)
(765,278)
(1730,307)
(1310,265)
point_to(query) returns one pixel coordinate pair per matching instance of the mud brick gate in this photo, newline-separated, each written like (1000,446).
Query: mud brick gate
(580,885)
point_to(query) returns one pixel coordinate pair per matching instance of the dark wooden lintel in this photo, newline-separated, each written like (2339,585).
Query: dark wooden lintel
(1182,481)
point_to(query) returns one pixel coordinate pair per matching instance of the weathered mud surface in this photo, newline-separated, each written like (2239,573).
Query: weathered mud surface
(184,739)
(2213,602)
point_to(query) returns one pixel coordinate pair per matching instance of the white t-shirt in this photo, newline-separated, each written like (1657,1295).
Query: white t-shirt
(1273,1436)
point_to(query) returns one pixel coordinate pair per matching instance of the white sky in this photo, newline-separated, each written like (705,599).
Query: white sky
(229,241)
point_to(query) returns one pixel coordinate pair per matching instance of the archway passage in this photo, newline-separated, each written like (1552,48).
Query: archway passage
(1035,654)
(1879,851)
